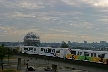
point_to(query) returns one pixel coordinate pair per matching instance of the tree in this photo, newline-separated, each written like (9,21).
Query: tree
(15,50)
(64,45)
(3,52)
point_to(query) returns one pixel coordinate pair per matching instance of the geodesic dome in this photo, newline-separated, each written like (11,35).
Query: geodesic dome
(31,39)
(31,36)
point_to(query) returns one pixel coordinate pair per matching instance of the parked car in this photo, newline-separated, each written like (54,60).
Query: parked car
(31,68)
(48,69)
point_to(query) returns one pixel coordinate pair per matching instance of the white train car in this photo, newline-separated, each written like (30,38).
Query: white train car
(29,49)
(45,51)
(62,52)
(54,52)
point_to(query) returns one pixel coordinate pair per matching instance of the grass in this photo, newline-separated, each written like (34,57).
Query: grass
(9,70)
(10,57)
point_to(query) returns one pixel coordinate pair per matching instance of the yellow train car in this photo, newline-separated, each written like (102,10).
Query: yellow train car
(73,54)
(69,56)
(99,57)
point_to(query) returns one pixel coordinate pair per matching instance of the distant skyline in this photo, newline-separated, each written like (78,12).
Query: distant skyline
(54,20)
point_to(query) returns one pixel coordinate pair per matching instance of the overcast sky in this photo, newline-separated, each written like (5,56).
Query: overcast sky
(54,20)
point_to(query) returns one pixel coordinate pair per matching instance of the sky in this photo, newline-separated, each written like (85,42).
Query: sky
(54,20)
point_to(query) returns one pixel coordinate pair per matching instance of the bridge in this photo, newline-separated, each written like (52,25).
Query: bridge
(87,66)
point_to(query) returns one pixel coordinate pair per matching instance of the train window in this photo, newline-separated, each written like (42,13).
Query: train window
(53,50)
(80,53)
(45,50)
(30,48)
(49,50)
(93,54)
(41,49)
(86,54)
(107,49)
(101,55)
(74,52)
(58,51)
(34,49)
(25,48)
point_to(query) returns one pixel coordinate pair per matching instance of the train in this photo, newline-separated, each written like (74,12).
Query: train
(68,53)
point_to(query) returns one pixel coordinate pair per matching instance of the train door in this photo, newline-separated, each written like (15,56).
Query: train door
(87,55)
(101,57)
(35,50)
(45,52)
(62,52)
(48,53)
(93,56)
(53,54)
(81,55)
(41,51)
(68,53)
(74,55)
(106,57)
(57,52)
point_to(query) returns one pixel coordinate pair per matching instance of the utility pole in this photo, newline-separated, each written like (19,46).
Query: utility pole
(2,66)
(8,56)
(24,61)
(19,64)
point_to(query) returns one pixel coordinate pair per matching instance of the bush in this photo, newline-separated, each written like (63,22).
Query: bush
(9,70)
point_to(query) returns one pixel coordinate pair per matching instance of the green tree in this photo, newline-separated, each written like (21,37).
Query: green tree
(15,50)
(3,52)
(64,45)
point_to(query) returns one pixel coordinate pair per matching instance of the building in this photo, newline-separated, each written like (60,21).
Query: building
(32,39)
(85,42)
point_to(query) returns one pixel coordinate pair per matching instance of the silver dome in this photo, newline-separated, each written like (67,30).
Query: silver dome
(31,39)
(31,36)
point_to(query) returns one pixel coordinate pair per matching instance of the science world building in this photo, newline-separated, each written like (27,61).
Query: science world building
(31,39)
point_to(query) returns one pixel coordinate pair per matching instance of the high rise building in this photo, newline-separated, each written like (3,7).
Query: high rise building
(85,42)
(69,42)
(103,43)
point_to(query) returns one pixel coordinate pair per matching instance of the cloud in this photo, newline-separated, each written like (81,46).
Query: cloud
(19,14)
(96,3)
(83,24)
(14,31)
(63,31)
(105,21)
(56,19)
(22,4)
(65,37)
